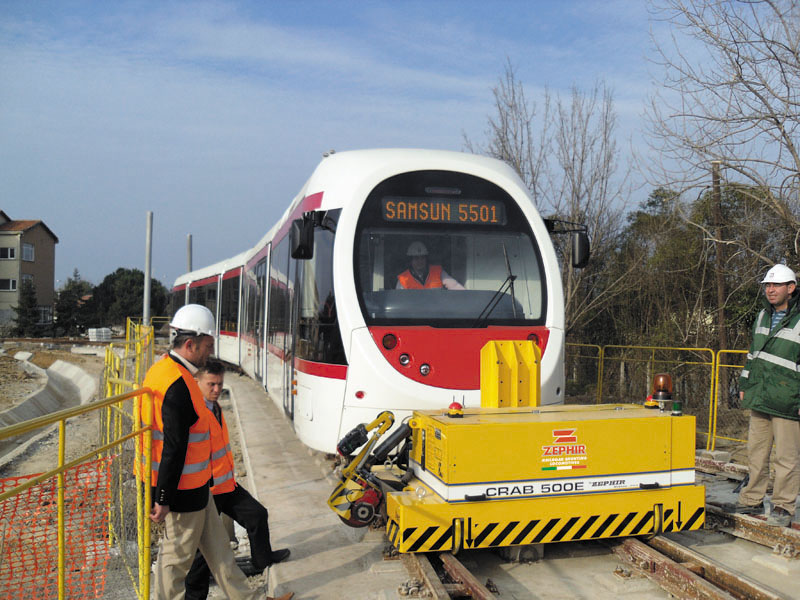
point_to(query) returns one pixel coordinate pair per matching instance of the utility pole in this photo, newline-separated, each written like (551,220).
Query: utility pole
(189,253)
(148,270)
(716,211)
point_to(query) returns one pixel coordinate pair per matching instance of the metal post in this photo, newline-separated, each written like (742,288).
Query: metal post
(148,272)
(189,253)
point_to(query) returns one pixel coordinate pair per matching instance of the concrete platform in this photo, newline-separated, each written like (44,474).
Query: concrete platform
(328,560)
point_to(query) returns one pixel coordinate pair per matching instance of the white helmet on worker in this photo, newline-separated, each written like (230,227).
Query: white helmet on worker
(417,249)
(193,318)
(780,274)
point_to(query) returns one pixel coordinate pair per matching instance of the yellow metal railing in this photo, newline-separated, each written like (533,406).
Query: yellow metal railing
(731,421)
(122,438)
(698,371)
(140,434)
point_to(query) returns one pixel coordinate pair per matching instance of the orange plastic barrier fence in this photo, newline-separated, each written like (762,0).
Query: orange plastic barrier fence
(29,534)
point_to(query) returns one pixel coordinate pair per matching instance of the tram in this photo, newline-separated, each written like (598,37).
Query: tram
(322,310)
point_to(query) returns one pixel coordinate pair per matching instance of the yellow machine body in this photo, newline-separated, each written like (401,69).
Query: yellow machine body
(513,476)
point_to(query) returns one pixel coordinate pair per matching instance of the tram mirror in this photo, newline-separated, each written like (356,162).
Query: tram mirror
(301,238)
(580,249)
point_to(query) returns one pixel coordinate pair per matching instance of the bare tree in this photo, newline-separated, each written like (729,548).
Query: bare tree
(510,136)
(731,95)
(568,158)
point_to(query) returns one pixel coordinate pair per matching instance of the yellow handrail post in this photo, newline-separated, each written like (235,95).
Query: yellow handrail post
(713,403)
(148,462)
(600,367)
(62,424)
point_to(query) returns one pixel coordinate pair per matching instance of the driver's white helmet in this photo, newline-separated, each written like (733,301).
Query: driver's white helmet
(193,318)
(780,274)
(417,249)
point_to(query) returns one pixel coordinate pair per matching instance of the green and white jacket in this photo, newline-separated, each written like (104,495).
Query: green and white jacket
(770,379)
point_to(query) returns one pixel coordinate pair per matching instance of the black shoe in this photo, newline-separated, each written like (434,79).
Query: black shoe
(779,517)
(745,509)
(279,556)
(248,568)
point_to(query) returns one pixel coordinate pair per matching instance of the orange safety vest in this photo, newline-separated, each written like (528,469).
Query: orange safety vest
(434,279)
(221,456)
(197,465)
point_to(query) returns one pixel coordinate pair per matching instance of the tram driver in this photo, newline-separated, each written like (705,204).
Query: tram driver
(420,275)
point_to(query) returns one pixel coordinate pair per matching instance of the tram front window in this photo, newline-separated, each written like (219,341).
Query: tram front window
(446,249)
(449,278)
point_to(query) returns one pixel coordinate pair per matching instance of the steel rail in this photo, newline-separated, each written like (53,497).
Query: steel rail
(462,575)
(420,567)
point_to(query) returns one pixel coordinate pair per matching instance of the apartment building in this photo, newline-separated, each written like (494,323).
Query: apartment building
(27,252)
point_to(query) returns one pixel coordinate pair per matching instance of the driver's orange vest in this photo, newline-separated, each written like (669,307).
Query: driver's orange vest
(434,279)
(197,465)
(221,456)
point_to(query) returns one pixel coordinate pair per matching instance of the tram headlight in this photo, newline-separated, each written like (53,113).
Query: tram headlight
(424,369)
(389,341)
(404,359)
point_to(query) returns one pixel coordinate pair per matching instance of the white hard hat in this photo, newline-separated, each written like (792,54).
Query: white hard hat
(780,274)
(417,249)
(194,318)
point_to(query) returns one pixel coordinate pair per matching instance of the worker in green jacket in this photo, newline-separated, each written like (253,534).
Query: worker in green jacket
(770,387)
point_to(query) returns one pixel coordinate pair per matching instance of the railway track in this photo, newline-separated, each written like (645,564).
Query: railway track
(685,573)
(676,568)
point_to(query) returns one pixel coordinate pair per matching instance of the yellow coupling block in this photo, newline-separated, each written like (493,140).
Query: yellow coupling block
(510,374)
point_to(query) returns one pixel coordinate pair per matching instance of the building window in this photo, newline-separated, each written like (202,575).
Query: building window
(45,315)
(8,253)
(27,277)
(27,252)
(8,285)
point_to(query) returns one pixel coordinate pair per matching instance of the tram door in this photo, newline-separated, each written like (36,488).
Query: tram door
(279,287)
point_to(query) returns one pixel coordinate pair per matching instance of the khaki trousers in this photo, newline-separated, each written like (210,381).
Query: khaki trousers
(183,534)
(786,435)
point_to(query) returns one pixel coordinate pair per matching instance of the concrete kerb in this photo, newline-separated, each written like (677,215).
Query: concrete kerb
(67,385)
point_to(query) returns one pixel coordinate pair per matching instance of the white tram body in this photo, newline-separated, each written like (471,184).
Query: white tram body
(334,340)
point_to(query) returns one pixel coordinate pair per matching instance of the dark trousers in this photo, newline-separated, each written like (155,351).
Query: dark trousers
(240,506)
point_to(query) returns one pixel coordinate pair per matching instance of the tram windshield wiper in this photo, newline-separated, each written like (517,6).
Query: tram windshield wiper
(508,284)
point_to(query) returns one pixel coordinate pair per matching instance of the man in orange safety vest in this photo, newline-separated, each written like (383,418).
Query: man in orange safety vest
(230,498)
(420,275)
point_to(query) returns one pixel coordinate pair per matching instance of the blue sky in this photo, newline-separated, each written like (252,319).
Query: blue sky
(213,114)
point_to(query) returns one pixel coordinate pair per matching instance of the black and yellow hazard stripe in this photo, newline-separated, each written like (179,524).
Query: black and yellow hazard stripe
(539,531)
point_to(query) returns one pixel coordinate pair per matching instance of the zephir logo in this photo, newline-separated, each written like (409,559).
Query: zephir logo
(565,443)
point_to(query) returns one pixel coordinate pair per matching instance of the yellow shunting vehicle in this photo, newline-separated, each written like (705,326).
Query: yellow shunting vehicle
(513,472)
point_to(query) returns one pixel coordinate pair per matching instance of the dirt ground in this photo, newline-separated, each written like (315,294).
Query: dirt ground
(16,384)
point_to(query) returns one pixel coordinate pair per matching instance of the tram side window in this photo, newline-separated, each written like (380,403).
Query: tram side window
(261,283)
(178,300)
(250,306)
(319,339)
(229,309)
(211,297)
(278,321)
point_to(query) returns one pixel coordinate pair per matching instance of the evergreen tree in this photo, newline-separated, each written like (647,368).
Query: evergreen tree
(120,296)
(27,311)
(73,310)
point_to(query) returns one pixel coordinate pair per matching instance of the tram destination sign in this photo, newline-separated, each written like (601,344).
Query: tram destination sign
(443,210)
